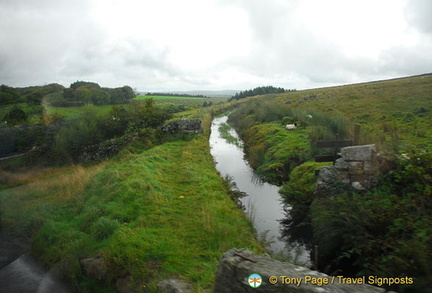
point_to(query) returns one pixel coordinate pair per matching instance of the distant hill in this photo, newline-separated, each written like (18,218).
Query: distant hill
(207,93)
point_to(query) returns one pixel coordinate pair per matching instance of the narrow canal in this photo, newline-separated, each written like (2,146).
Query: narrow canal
(263,204)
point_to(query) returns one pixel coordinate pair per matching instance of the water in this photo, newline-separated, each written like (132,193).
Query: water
(263,204)
(21,273)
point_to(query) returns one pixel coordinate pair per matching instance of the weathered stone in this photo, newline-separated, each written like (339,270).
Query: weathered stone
(94,268)
(357,186)
(174,286)
(328,177)
(356,167)
(324,183)
(184,125)
(366,180)
(341,165)
(359,153)
(327,174)
(370,167)
(322,189)
(342,177)
(237,265)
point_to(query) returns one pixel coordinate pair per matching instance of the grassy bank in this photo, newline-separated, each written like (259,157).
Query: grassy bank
(382,232)
(162,213)
(394,114)
(143,97)
(76,111)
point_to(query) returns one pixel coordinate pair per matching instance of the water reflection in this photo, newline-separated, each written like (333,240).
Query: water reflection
(263,204)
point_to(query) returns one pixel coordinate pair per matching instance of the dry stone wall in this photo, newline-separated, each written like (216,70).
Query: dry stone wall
(191,126)
(357,169)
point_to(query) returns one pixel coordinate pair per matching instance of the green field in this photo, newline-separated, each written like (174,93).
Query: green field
(143,97)
(76,111)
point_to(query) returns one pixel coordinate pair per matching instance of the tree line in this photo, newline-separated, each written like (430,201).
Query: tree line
(263,90)
(175,95)
(78,94)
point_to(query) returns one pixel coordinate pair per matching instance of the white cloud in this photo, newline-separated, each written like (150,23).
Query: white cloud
(212,44)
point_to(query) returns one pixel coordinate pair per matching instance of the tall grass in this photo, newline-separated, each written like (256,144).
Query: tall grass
(403,103)
(161,213)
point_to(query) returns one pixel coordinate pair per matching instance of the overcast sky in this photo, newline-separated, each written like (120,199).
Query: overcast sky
(213,44)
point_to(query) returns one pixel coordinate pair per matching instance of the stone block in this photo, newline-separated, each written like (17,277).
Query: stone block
(237,265)
(340,164)
(327,174)
(184,125)
(356,167)
(359,153)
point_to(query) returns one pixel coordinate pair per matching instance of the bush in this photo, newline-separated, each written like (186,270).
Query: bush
(76,134)
(15,116)
(384,232)
(93,137)
(298,194)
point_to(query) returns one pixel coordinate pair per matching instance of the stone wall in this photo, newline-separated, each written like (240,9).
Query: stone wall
(357,169)
(237,265)
(184,125)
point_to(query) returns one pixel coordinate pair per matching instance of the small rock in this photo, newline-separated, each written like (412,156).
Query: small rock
(94,268)
(357,186)
(174,286)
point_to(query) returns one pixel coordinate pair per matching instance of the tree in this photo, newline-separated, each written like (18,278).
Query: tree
(8,95)
(122,95)
(15,116)
(78,84)
(264,90)
(84,94)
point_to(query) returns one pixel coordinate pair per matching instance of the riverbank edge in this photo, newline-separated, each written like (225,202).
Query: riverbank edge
(198,146)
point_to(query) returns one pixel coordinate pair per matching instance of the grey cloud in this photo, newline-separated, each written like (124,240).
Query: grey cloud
(418,14)
(406,60)
(60,41)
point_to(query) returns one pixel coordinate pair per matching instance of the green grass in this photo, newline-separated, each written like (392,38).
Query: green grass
(143,97)
(34,113)
(394,114)
(76,111)
(274,152)
(163,213)
(187,102)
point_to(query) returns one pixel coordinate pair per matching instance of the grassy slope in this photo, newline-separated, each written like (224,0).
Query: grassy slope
(158,214)
(384,232)
(76,111)
(394,114)
(33,112)
(143,97)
